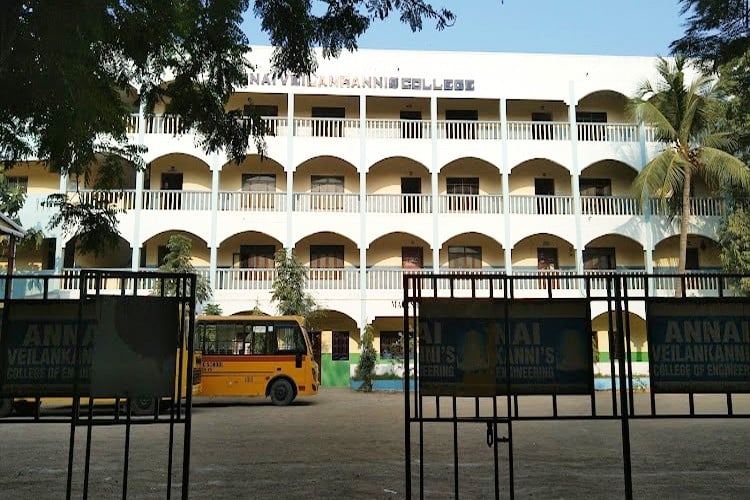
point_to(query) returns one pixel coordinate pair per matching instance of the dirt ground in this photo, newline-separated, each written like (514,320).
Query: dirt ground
(344,444)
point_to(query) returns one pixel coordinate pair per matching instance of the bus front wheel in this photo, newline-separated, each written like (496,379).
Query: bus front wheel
(143,406)
(282,392)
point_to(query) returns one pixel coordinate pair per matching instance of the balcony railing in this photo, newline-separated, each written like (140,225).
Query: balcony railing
(538,131)
(471,203)
(115,285)
(385,128)
(326,127)
(118,200)
(176,200)
(246,201)
(399,203)
(610,205)
(398,129)
(541,205)
(340,278)
(386,203)
(391,278)
(468,130)
(245,279)
(700,207)
(608,132)
(326,202)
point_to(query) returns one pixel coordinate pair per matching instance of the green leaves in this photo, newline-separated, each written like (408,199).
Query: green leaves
(289,288)
(177,260)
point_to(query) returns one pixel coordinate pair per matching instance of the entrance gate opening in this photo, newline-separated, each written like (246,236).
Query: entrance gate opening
(480,353)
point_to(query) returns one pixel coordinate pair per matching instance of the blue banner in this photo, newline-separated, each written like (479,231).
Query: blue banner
(486,347)
(699,345)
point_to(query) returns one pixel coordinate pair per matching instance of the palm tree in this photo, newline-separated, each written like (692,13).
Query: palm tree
(685,117)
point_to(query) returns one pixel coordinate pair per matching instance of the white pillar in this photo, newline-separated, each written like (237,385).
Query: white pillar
(434,184)
(363,209)
(213,245)
(505,171)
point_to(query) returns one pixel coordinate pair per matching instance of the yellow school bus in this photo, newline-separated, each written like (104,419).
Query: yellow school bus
(256,356)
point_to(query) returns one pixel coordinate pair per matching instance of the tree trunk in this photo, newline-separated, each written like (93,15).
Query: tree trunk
(684,221)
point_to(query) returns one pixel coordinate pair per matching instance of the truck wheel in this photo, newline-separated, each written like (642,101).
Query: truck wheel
(6,407)
(282,392)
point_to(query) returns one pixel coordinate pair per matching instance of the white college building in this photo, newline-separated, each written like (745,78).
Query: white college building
(386,161)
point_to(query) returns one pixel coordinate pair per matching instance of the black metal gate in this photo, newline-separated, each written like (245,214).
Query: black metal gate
(75,293)
(494,402)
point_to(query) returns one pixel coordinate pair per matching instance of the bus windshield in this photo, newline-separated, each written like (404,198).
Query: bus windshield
(245,338)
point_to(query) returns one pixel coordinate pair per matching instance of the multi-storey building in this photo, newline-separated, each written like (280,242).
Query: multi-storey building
(389,161)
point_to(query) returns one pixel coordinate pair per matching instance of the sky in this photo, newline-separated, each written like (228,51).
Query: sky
(611,27)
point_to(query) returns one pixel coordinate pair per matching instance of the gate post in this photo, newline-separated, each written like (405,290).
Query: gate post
(624,411)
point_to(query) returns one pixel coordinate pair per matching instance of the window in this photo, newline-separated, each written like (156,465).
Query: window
(464,129)
(587,131)
(602,258)
(255,257)
(262,188)
(328,122)
(325,260)
(328,190)
(259,182)
(591,117)
(464,257)
(596,188)
(390,345)
(340,346)
(264,110)
(411,124)
(412,258)
(462,194)
(19,183)
(256,339)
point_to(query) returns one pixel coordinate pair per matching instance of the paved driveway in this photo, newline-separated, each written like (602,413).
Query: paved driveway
(343,444)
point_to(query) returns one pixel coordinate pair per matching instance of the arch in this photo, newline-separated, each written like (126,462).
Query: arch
(472,160)
(470,234)
(326,234)
(252,160)
(183,232)
(525,252)
(384,176)
(248,249)
(638,336)
(386,250)
(191,158)
(491,256)
(251,234)
(118,257)
(705,247)
(199,253)
(325,165)
(333,320)
(176,224)
(398,233)
(603,166)
(603,93)
(537,159)
(382,162)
